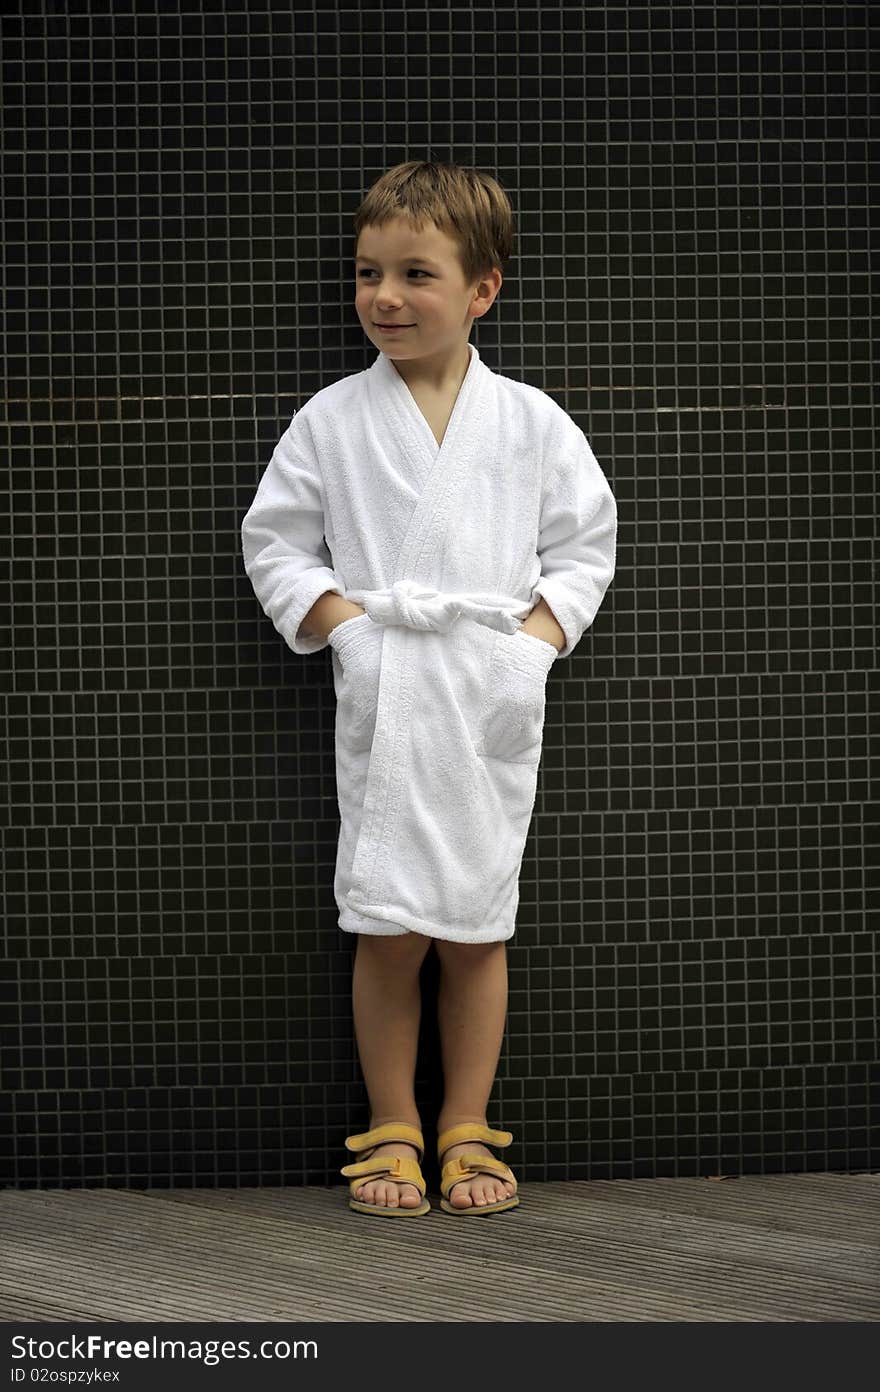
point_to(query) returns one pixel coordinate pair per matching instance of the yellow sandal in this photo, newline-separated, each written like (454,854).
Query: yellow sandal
(467,1166)
(401,1168)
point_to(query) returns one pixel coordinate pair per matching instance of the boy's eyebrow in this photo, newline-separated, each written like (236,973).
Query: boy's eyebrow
(426,259)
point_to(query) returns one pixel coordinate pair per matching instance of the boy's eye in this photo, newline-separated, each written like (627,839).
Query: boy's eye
(414,270)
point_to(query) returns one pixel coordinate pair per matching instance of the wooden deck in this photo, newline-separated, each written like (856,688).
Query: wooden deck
(781,1247)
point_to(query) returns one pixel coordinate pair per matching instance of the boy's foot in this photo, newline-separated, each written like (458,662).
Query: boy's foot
(390,1193)
(483,1188)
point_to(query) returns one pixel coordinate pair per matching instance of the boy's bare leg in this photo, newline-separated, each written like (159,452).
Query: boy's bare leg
(471,1009)
(386,999)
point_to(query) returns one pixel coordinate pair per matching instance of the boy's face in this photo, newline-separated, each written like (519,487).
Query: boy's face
(415,279)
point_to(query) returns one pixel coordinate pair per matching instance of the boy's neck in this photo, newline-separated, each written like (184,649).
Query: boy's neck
(438,373)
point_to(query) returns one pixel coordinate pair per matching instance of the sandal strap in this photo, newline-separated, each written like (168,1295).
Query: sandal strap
(468,1166)
(389,1131)
(472,1131)
(402,1169)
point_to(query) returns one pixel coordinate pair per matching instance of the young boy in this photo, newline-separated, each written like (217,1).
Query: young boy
(448,532)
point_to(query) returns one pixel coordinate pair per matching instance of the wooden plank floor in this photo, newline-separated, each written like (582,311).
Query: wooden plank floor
(779,1247)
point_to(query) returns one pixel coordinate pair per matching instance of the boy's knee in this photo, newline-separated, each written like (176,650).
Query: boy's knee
(455,953)
(395,946)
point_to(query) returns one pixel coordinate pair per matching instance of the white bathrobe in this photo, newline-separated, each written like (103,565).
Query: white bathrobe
(440,697)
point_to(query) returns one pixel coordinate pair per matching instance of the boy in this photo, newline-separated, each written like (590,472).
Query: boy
(448,533)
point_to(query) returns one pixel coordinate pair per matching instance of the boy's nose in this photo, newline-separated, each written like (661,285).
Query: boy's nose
(383,292)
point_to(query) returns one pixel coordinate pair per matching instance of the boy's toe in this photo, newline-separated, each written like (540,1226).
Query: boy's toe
(487,1190)
(386,1194)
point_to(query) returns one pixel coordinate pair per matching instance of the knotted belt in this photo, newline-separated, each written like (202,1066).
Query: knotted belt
(413,605)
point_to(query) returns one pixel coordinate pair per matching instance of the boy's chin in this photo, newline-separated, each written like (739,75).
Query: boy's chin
(393,343)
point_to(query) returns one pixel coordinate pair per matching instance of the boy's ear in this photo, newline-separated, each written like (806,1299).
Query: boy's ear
(493,278)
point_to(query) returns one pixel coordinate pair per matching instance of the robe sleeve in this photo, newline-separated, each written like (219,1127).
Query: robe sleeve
(285,554)
(578,533)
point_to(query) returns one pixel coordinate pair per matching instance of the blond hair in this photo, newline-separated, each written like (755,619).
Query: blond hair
(467,204)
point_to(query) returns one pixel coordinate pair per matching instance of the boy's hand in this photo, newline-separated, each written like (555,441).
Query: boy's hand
(328,610)
(541,623)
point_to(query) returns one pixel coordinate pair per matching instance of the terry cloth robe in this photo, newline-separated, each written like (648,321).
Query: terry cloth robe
(440,697)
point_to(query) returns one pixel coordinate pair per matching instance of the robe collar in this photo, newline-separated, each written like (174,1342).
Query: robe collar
(391,380)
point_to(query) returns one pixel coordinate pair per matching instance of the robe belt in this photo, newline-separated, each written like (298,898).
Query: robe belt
(413,605)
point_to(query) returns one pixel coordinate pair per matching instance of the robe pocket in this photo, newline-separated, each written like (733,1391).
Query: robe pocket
(342,628)
(512,716)
(357,644)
